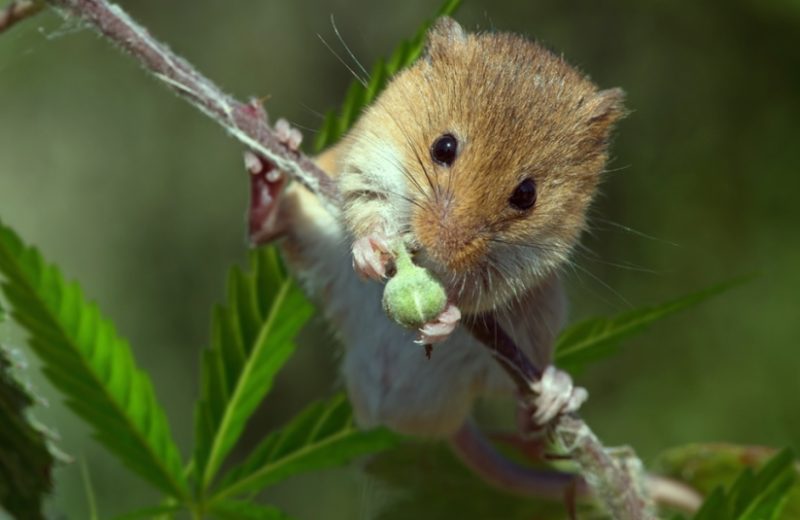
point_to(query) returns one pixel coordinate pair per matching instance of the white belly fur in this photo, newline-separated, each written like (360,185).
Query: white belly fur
(389,380)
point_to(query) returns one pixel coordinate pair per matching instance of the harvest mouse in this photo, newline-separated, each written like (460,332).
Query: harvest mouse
(481,159)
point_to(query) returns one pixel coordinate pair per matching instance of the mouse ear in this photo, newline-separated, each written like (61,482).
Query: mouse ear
(606,108)
(599,112)
(442,36)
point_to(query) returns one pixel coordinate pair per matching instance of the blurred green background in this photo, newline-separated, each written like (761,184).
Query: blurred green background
(142,199)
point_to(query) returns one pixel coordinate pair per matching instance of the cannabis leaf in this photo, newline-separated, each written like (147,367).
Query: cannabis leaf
(246,510)
(359,96)
(251,340)
(598,337)
(754,496)
(25,461)
(322,436)
(92,366)
(160,512)
(712,467)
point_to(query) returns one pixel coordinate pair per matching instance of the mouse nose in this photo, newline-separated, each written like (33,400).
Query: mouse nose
(463,257)
(454,242)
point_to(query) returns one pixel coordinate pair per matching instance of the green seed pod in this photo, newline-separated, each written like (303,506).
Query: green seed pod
(413,297)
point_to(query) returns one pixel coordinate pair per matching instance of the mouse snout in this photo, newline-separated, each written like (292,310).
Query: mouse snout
(455,242)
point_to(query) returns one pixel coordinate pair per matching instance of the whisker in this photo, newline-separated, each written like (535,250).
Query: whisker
(404,197)
(587,255)
(567,262)
(348,67)
(304,128)
(603,284)
(413,148)
(427,175)
(383,192)
(594,257)
(316,113)
(347,48)
(633,231)
(419,124)
(531,245)
(572,271)
(618,169)
(406,173)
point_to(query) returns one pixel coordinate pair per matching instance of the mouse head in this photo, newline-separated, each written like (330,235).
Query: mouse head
(484,157)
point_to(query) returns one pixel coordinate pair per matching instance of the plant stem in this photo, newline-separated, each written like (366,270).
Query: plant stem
(87,484)
(618,489)
(18,10)
(246,122)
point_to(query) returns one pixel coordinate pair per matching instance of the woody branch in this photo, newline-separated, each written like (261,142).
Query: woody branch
(246,122)
(18,10)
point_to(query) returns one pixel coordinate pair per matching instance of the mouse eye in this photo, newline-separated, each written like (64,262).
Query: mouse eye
(443,150)
(524,195)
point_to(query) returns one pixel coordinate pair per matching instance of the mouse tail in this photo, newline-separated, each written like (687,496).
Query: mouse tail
(476,452)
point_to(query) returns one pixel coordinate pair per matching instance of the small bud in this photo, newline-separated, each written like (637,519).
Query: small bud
(413,297)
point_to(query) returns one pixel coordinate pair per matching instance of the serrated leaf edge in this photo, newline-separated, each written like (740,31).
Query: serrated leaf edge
(240,485)
(105,326)
(216,454)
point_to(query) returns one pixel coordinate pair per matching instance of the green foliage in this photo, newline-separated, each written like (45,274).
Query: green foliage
(754,496)
(251,340)
(246,510)
(359,96)
(153,512)
(322,436)
(90,496)
(25,461)
(595,338)
(92,366)
(711,467)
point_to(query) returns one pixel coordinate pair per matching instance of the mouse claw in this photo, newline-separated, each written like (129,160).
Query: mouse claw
(556,395)
(370,256)
(288,135)
(440,328)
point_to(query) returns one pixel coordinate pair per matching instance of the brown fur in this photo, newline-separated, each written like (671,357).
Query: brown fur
(517,111)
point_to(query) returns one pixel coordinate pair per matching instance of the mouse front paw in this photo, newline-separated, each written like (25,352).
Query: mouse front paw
(371,255)
(266,186)
(556,395)
(289,136)
(439,329)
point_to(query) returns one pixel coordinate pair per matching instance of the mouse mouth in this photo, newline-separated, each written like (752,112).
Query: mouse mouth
(457,244)
(458,257)
(489,276)
(477,289)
